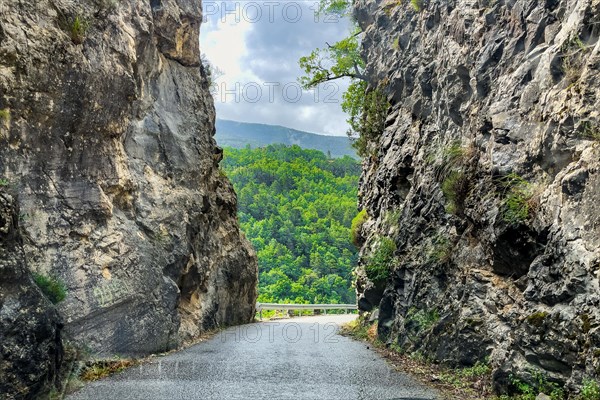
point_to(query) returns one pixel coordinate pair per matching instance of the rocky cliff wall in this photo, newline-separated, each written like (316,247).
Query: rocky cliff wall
(30,327)
(487,180)
(106,133)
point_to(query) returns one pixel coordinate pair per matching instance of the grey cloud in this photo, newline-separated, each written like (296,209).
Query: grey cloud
(274,48)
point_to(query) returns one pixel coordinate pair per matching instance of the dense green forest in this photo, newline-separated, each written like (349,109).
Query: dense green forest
(296,207)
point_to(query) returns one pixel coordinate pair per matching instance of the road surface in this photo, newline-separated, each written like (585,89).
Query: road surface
(301,358)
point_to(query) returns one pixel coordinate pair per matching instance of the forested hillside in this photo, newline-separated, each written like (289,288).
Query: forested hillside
(240,134)
(296,207)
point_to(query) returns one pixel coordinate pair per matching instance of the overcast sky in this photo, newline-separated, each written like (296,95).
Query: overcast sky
(257,45)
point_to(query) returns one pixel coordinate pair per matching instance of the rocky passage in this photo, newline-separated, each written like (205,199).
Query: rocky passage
(106,132)
(297,359)
(486,178)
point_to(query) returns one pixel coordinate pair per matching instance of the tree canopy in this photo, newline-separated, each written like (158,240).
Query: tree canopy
(296,207)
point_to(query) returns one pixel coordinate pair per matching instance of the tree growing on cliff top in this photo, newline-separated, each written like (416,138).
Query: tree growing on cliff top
(366,107)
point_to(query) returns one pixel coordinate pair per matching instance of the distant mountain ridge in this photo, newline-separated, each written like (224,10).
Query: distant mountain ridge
(240,134)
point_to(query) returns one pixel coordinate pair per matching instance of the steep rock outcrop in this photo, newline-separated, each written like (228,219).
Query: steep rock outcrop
(30,328)
(107,132)
(487,178)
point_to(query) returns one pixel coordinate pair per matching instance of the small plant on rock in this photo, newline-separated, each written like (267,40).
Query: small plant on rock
(520,199)
(356,228)
(441,250)
(590,390)
(392,216)
(590,131)
(572,62)
(417,5)
(456,188)
(537,319)
(5,114)
(390,5)
(396,348)
(78,29)
(367,110)
(379,264)
(476,371)
(54,289)
(540,384)
(423,319)
(456,183)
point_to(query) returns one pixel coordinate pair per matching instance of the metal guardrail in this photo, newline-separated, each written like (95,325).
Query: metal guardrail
(290,307)
(275,306)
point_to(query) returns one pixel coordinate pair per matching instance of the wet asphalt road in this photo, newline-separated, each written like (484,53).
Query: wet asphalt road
(302,359)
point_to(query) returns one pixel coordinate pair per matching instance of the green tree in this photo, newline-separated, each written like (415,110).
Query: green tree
(339,60)
(366,106)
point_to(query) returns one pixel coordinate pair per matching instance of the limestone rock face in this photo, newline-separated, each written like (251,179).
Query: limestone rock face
(487,178)
(107,134)
(30,327)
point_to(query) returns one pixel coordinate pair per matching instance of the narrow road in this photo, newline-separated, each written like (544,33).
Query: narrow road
(301,358)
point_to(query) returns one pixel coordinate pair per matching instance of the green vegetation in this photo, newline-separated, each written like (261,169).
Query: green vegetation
(590,390)
(356,228)
(390,5)
(590,131)
(212,73)
(4,182)
(462,378)
(392,217)
(520,199)
(480,369)
(296,207)
(441,250)
(421,319)
(456,188)
(366,106)
(380,263)
(537,319)
(572,62)
(361,329)
(586,322)
(456,154)
(78,29)
(417,5)
(5,114)
(467,383)
(4,121)
(473,382)
(356,328)
(455,182)
(396,348)
(367,111)
(54,289)
(540,384)
(99,369)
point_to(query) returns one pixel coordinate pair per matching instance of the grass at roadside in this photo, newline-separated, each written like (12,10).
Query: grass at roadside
(85,368)
(472,383)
